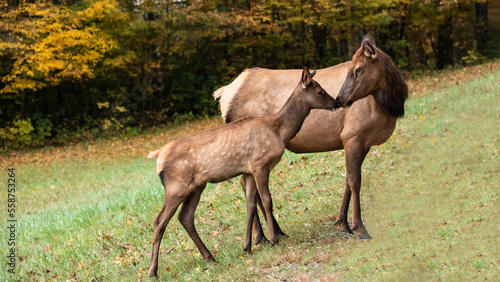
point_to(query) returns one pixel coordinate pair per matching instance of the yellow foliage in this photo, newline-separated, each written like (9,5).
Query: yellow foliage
(103,105)
(54,44)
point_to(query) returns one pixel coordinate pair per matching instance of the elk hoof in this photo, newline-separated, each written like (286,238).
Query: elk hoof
(248,250)
(210,259)
(281,233)
(346,230)
(262,241)
(153,274)
(275,242)
(364,236)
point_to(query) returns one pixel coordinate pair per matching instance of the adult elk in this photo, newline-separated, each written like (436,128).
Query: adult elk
(372,95)
(251,146)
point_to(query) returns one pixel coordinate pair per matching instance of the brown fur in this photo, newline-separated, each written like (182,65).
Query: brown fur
(250,146)
(373,99)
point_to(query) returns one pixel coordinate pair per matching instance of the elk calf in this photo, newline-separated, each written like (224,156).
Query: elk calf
(250,146)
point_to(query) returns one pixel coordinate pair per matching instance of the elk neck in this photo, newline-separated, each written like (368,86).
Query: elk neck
(290,118)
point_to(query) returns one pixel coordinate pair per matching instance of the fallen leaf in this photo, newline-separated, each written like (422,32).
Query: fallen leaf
(128,247)
(304,277)
(328,241)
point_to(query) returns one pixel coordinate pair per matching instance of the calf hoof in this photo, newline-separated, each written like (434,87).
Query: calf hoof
(210,259)
(275,242)
(262,241)
(153,274)
(248,250)
(281,233)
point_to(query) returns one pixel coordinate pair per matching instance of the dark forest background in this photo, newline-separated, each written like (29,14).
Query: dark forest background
(77,69)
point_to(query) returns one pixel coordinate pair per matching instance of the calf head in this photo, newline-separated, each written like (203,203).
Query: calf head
(313,94)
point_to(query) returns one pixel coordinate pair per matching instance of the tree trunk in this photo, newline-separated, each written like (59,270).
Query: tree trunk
(481,26)
(445,43)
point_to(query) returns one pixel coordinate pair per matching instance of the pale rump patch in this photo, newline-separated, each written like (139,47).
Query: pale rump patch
(231,90)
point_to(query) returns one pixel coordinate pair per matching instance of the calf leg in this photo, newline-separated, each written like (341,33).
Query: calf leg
(277,228)
(247,180)
(251,201)
(160,223)
(262,179)
(248,183)
(186,217)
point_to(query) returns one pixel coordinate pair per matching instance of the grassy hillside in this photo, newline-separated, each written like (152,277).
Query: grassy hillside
(429,199)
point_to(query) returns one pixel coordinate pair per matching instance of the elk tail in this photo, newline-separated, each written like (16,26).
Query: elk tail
(218,92)
(154,154)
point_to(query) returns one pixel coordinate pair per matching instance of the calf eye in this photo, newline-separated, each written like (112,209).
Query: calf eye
(358,70)
(320,93)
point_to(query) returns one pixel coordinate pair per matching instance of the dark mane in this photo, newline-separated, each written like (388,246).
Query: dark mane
(392,99)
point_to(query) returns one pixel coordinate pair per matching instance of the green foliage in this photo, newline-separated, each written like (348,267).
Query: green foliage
(25,132)
(18,134)
(473,57)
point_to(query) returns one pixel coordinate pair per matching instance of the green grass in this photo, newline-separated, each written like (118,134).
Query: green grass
(428,198)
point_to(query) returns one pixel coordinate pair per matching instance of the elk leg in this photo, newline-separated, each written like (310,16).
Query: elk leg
(251,200)
(277,228)
(169,208)
(262,179)
(355,155)
(248,182)
(344,208)
(186,218)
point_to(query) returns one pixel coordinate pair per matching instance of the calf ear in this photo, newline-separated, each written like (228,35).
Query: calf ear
(368,45)
(306,78)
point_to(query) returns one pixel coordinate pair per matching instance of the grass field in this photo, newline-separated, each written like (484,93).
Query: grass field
(429,199)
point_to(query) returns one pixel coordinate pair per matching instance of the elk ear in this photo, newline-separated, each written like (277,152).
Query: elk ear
(368,38)
(368,45)
(313,74)
(306,77)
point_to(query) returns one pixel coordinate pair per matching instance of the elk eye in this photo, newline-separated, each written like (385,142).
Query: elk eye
(358,70)
(320,93)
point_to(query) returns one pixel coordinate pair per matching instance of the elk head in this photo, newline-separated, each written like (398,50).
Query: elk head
(365,74)
(315,96)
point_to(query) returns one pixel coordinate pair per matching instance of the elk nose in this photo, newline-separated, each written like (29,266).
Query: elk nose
(338,102)
(336,105)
